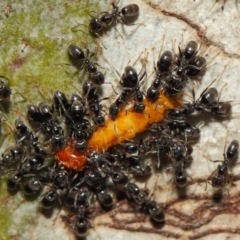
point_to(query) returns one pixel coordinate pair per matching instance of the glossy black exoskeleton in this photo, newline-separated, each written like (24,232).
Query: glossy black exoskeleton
(164,65)
(188,63)
(13,155)
(77,55)
(106,19)
(81,223)
(220,177)
(180,176)
(33,186)
(5,91)
(130,81)
(104,198)
(25,137)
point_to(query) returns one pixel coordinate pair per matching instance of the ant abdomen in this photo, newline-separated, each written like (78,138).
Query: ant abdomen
(210,97)
(81,227)
(232,150)
(165,61)
(223,109)
(95,25)
(156,213)
(129,78)
(76,52)
(130,10)
(191,50)
(197,66)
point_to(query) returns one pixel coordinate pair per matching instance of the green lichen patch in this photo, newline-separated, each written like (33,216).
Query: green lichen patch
(34,39)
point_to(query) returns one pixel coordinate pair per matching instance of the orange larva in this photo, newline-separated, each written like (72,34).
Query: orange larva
(126,125)
(71,158)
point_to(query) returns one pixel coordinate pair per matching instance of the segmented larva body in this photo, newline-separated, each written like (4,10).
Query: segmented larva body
(126,126)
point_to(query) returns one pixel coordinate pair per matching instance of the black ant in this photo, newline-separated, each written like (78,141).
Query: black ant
(140,197)
(36,183)
(81,223)
(75,113)
(177,128)
(80,126)
(42,114)
(208,101)
(60,181)
(106,19)
(158,144)
(95,107)
(184,58)
(23,133)
(188,64)
(220,177)
(78,55)
(180,151)
(29,166)
(162,70)
(130,83)
(11,156)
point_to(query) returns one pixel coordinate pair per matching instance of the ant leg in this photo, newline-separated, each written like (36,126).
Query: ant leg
(100,66)
(118,31)
(214,80)
(74,29)
(131,24)
(112,87)
(98,35)
(6,78)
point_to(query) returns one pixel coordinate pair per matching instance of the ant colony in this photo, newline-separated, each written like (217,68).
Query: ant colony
(111,145)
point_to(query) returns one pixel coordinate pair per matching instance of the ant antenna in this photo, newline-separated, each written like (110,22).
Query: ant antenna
(221,73)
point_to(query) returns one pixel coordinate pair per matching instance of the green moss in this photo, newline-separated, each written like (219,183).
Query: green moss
(5,221)
(6,205)
(34,40)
